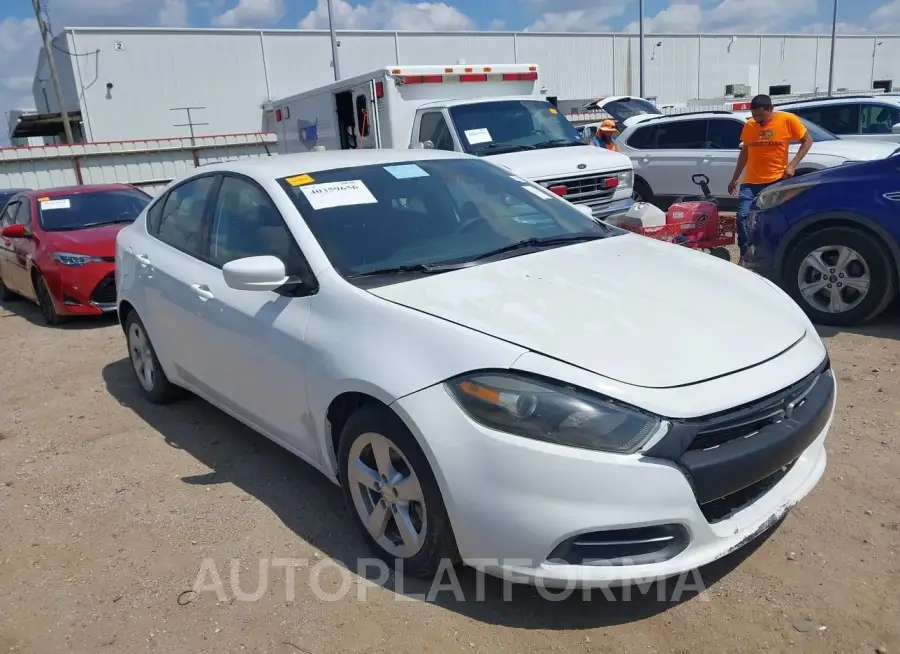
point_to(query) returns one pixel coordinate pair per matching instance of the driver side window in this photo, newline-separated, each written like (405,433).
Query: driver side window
(9,213)
(434,128)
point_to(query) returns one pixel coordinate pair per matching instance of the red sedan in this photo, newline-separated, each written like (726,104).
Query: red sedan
(57,247)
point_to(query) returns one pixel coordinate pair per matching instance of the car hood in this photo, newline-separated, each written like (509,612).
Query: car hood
(556,162)
(856,150)
(95,242)
(628,308)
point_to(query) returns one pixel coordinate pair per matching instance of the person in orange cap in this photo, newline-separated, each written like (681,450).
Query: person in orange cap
(605,134)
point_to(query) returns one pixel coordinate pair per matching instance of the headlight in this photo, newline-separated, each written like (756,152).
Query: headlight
(626,179)
(74,260)
(554,413)
(771,198)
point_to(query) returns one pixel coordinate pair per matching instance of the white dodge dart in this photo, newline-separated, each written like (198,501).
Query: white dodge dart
(492,376)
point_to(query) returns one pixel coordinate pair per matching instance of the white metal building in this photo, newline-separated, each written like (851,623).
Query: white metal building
(130,83)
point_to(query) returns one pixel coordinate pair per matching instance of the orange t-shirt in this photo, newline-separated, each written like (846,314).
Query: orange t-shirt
(767,146)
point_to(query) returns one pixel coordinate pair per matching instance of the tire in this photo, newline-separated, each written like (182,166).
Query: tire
(642,191)
(865,259)
(721,253)
(45,302)
(154,384)
(376,427)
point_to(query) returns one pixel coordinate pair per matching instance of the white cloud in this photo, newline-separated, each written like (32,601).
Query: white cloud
(388,14)
(251,12)
(173,13)
(576,15)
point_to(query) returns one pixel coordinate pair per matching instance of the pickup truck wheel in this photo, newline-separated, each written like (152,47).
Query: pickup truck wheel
(641,191)
(840,276)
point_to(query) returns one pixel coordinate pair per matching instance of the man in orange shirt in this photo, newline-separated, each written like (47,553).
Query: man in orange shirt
(606,132)
(766,139)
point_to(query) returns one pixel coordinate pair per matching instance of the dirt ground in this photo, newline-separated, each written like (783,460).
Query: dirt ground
(109,507)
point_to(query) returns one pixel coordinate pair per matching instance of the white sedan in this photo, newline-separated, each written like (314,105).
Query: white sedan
(491,376)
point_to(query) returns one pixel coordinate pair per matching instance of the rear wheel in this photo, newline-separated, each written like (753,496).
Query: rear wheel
(840,276)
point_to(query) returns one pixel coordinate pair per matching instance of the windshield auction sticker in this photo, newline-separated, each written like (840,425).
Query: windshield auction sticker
(56,204)
(476,136)
(338,194)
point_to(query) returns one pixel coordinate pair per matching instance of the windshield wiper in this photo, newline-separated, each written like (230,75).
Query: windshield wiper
(99,223)
(548,241)
(421,268)
(558,143)
(493,147)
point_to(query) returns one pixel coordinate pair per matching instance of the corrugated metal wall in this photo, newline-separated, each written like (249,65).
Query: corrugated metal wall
(231,73)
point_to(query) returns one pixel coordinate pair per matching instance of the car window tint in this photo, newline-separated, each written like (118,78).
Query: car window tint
(154,213)
(246,223)
(181,223)
(434,128)
(643,138)
(836,118)
(878,118)
(23,214)
(681,135)
(724,133)
(9,213)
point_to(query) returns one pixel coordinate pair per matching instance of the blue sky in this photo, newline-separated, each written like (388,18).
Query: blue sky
(19,40)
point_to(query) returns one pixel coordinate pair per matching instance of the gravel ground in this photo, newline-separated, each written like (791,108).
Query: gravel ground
(109,507)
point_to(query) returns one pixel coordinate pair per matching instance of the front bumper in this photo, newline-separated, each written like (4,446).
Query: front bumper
(87,290)
(516,504)
(613,208)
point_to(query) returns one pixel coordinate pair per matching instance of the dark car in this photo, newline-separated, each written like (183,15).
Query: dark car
(831,239)
(57,247)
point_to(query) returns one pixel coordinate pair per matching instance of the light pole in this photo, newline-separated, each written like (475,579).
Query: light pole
(334,43)
(833,44)
(641,47)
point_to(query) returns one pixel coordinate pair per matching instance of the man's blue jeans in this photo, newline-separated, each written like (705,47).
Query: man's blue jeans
(746,196)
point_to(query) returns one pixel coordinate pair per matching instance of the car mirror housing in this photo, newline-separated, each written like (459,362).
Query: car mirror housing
(895,129)
(265,273)
(15,231)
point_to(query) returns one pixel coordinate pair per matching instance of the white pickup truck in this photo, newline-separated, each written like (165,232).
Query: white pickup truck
(491,111)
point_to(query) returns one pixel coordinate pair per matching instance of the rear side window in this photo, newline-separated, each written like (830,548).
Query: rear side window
(879,118)
(724,133)
(681,135)
(181,222)
(643,138)
(836,118)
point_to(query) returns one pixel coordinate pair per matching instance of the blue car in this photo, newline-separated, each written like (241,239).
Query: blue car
(831,239)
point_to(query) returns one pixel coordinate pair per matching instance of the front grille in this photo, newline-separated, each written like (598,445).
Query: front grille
(724,507)
(105,292)
(585,189)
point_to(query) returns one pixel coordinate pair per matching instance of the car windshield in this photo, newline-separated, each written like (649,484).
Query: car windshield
(630,107)
(442,212)
(91,209)
(486,128)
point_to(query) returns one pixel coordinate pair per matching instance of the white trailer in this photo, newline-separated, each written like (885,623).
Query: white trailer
(492,111)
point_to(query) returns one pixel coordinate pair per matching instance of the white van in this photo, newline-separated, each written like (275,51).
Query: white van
(493,111)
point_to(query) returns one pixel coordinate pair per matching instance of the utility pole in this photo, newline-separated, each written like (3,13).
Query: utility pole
(190,121)
(334,43)
(641,47)
(833,44)
(46,38)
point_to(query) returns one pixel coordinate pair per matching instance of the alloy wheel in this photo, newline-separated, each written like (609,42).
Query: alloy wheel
(141,357)
(834,279)
(387,495)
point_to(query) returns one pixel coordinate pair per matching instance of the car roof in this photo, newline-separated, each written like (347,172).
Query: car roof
(655,120)
(284,165)
(434,104)
(72,190)
(892,100)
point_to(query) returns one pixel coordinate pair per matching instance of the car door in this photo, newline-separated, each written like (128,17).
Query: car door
(723,146)
(24,251)
(7,252)
(168,264)
(674,157)
(258,361)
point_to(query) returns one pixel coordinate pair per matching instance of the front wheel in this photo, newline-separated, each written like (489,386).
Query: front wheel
(45,302)
(840,276)
(392,493)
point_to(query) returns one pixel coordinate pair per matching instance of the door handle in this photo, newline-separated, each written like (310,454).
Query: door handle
(143,259)
(202,291)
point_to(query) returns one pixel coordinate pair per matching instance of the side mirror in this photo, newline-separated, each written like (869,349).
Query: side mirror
(895,129)
(264,273)
(585,209)
(15,231)
(428,145)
